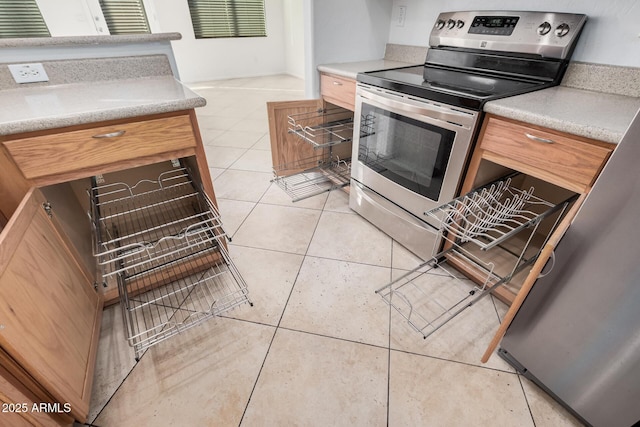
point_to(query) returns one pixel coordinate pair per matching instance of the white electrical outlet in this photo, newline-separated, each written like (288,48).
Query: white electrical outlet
(28,73)
(402,14)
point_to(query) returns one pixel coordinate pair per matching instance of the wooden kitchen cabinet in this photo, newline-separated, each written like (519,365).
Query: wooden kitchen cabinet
(338,90)
(50,310)
(311,139)
(559,161)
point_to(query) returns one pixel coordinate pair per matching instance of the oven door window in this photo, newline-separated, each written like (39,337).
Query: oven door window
(408,152)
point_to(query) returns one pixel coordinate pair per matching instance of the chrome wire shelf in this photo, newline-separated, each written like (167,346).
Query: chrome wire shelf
(475,228)
(319,174)
(492,214)
(323,128)
(163,242)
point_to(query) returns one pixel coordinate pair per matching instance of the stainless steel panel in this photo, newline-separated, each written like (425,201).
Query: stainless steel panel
(417,236)
(524,39)
(578,331)
(461,121)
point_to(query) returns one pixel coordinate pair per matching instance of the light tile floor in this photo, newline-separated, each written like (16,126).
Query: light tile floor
(319,347)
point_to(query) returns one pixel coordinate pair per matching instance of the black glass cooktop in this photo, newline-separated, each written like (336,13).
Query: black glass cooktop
(459,88)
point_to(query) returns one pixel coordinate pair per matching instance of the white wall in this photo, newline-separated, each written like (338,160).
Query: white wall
(294,37)
(210,59)
(346,31)
(611,35)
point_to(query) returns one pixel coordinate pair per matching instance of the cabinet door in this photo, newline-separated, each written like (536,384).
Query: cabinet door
(289,153)
(49,312)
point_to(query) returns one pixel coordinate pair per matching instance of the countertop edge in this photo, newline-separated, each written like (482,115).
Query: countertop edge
(88,40)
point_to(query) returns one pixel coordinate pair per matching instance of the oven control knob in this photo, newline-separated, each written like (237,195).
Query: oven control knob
(459,23)
(544,28)
(440,24)
(562,30)
(451,24)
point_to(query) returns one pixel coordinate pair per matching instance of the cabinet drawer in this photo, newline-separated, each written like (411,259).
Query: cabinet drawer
(59,153)
(565,160)
(337,90)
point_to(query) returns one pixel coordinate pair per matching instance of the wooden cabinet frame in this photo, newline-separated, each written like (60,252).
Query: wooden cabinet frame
(29,222)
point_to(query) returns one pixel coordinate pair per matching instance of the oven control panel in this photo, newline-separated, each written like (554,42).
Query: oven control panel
(548,34)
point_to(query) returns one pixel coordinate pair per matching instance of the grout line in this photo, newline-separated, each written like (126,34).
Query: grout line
(255,384)
(526,399)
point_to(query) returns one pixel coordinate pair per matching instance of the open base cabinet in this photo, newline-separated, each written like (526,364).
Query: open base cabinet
(310,147)
(161,240)
(158,245)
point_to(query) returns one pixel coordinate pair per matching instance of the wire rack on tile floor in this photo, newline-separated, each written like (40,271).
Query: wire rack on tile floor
(472,228)
(163,242)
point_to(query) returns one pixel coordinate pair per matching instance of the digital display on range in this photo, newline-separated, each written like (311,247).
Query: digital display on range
(493,25)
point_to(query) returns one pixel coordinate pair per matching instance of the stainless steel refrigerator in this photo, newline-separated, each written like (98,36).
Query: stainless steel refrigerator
(577,335)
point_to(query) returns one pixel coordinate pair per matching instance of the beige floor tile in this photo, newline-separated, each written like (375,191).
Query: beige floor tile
(216,172)
(429,392)
(270,276)
(338,201)
(263,143)
(546,411)
(115,359)
(277,196)
(315,381)
(404,259)
(337,299)
(464,338)
(207,120)
(254,160)
(203,376)
(280,228)
(350,238)
(222,157)
(237,138)
(233,213)
(250,124)
(209,135)
(241,185)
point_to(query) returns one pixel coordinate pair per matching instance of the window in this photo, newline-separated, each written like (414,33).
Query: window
(227,18)
(125,16)
(21,18)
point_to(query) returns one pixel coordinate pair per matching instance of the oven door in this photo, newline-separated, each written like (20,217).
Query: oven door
(409,150)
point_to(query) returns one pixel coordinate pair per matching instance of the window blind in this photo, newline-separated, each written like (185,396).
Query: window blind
(21,18)
(125,16)
(227,18)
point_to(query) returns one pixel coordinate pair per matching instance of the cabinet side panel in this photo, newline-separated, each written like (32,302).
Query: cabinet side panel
(49,313)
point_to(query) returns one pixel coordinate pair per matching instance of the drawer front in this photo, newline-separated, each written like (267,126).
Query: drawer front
(338,90)
(87,148)
(557,158)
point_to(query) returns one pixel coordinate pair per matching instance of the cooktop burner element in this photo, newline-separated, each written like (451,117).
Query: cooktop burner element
(475,57)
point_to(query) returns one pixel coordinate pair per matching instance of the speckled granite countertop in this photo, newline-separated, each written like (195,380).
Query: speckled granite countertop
(596,115)
(54,106)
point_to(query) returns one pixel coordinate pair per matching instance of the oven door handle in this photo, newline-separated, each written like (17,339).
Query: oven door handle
(429,110)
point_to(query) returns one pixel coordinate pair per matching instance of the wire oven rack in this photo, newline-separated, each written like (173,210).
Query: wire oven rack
(163,242)
(323,128)
(473,225)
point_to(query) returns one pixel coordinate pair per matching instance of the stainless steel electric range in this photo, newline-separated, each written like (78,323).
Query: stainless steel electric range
(417,125)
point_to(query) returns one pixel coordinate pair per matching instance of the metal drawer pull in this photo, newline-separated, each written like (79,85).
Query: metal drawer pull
(537,138)
(110,134)
(337,83)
